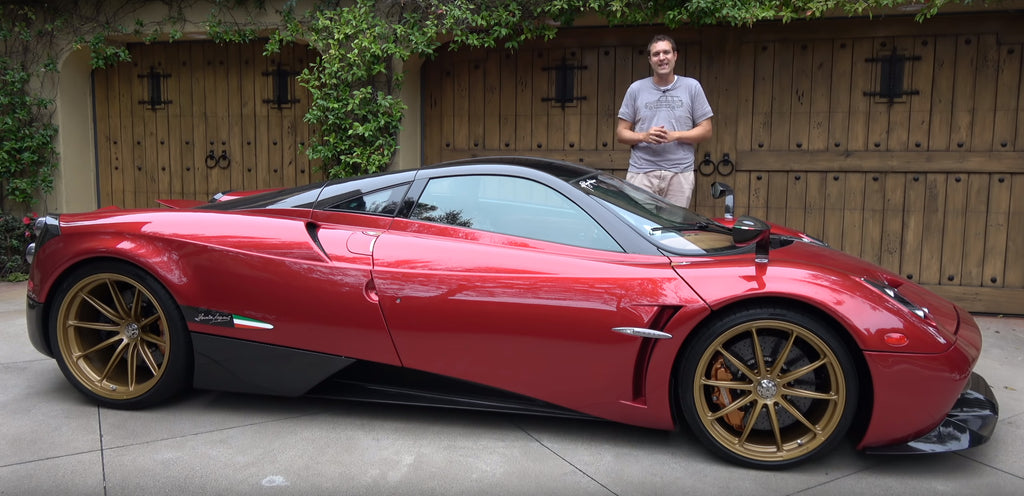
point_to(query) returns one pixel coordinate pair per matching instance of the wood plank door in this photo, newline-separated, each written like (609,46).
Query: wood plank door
(191,119)
(557,99)
(925,182)
(928,183)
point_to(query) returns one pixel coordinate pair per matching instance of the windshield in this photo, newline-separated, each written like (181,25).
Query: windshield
(673,228)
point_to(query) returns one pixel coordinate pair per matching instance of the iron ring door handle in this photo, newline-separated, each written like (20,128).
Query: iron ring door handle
(223,161)
(707,166)
(725,166)
(211,160)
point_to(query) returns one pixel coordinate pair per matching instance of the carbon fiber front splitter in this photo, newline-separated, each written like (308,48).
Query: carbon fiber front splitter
(969,423)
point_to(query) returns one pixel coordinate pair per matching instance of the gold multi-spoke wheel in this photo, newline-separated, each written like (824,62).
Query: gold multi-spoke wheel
(768,387)
(119,337)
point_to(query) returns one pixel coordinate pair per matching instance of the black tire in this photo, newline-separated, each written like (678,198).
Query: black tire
(119,337)
(758,410)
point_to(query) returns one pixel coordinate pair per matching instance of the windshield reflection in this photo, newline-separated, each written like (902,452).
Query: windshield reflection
(676,229)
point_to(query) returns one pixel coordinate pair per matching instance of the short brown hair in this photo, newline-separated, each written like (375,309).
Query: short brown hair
(662,37)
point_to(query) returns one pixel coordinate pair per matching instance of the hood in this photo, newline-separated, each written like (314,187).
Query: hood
(869,301)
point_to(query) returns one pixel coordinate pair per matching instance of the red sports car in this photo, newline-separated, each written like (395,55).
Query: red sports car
(513,284)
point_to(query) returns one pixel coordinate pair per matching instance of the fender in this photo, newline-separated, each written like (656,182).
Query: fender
(159,242)
(290,283)
(865,312)
(941,340)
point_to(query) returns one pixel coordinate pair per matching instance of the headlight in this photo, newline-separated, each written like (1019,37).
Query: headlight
(813,240)
(894,294)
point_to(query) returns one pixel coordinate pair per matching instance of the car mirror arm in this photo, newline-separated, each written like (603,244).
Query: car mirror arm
(719,189)
(751,230)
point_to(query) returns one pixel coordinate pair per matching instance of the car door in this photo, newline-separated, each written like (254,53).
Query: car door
(345,226)
(504,281)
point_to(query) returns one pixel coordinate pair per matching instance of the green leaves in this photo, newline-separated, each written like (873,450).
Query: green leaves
(15,235)
(27,154)
(353,85)
(355,111)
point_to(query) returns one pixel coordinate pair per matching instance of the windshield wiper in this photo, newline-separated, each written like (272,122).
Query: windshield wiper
(693,226)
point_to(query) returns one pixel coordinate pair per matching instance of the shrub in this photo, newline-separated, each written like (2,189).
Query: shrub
(27,154)
(15,235)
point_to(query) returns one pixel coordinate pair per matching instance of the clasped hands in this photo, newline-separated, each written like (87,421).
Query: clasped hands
(657,135)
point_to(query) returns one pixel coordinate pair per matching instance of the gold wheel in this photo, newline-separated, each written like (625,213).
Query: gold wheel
(770,391)
(113,336)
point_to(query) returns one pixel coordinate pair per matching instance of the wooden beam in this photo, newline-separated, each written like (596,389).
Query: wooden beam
(866,161)
(983,300)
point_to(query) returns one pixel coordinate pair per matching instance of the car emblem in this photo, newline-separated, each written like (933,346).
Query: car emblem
(767,389)
(131,331)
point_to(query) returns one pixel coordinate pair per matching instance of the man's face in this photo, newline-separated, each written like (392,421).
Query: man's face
(663,58)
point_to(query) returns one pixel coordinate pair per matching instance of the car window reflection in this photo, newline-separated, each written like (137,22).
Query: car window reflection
(381,202)
(510,205)
(650,215)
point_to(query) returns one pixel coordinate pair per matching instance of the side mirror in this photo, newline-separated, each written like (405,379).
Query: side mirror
(718,190)
(749,230)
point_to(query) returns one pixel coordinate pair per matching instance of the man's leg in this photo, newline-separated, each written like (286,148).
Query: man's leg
(646,180)
(680,188)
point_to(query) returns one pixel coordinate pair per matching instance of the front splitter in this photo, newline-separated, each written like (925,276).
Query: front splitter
(970,423)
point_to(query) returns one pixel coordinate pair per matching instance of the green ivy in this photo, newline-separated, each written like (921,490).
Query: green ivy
(357,121)
(27,154)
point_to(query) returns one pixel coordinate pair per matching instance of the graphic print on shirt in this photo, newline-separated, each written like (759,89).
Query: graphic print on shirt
(665,102)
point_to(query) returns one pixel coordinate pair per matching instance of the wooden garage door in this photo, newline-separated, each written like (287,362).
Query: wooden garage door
(219,121)
(557,100)
(928,184)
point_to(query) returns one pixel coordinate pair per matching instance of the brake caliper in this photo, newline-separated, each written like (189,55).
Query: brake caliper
(721,396)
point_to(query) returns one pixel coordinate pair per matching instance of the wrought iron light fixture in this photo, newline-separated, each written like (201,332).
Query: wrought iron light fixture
(565,83)
(155,81)
(891,73)
(283,88)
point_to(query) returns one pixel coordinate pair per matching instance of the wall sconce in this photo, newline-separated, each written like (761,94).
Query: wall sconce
(283,88)
(891,70)
(565,83)
(155,82)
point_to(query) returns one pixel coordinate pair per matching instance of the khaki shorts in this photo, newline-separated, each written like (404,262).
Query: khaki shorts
(676,187)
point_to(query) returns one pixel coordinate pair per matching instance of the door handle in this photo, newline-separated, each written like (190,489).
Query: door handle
(223,161)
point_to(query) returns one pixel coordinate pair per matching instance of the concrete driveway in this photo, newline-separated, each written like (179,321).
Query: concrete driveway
(53,442)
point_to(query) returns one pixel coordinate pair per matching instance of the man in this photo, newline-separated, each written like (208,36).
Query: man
(662,117)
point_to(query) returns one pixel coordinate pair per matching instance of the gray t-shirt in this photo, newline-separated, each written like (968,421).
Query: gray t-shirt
(679,107)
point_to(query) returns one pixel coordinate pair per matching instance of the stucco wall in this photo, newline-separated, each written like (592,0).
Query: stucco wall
(75,181)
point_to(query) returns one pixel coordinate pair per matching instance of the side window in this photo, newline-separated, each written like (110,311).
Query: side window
(381,202)
(510,205)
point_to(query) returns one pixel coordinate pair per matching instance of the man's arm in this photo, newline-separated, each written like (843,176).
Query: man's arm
(656,135)
(625,134)
(699,133)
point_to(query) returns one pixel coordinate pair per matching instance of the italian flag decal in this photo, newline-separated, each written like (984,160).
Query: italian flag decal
(247,323)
